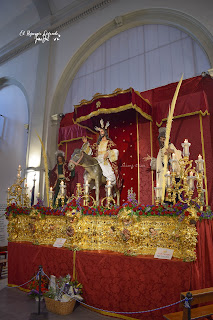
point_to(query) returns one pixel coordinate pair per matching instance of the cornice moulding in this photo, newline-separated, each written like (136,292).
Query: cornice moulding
(59,21)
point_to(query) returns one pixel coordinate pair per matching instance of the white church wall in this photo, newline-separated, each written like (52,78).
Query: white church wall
(74,36)
(13,145)
(13,142)
(143,57)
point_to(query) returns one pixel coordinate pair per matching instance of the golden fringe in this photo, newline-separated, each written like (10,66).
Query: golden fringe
(168,131)
(46,170)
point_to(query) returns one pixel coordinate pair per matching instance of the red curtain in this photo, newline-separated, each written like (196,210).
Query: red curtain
(111,281)
(116,282)
(123,131)
(202,269)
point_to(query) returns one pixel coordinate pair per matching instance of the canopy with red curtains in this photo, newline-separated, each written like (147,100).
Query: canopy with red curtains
(134,120)
(124,130)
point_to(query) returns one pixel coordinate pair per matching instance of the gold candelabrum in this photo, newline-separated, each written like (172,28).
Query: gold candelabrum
(83,194)
(17,193)
(186,183)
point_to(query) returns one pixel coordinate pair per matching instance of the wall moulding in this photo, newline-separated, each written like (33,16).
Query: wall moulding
(170,17)
(61,20)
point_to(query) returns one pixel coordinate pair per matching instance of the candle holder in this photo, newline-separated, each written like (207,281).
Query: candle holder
(168,194)
(79,190)
(157,194)
(51,197)
(185,145)
(62,190)
(181,186)
(61,194)
(168,179)
(191,178)
(25,197)
(199,164)
(109,199)
(83,194)
(173,163)
(51,203)
(17,192)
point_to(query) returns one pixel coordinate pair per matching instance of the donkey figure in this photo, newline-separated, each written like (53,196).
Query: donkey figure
(93,172)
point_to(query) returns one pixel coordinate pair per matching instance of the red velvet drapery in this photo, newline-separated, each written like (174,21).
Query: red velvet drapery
(87,111)
(116,282)
(130,132)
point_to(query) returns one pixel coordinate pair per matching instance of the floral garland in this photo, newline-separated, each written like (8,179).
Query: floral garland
(179,209)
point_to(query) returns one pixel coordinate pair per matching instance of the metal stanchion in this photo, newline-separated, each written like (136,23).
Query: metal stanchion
(40,315)
(187,306)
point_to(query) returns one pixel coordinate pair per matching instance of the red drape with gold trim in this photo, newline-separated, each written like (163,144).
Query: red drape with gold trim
(116,282)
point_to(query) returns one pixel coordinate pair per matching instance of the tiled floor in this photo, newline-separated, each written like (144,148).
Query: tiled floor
(16,305)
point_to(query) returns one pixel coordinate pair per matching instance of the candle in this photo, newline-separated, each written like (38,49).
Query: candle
(109,188)
(168,178)
(173,156)
(51,193)
(186,146)
(157,191)
(62,187)
(191,180)
(86,186)
(199,163)
(38,194)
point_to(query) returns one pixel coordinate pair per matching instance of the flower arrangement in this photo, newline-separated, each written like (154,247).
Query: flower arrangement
(34,287)
(64,289)
(134,208)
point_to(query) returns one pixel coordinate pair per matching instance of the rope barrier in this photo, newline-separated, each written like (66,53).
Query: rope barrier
(123,312)
(21,285)
(186,300)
